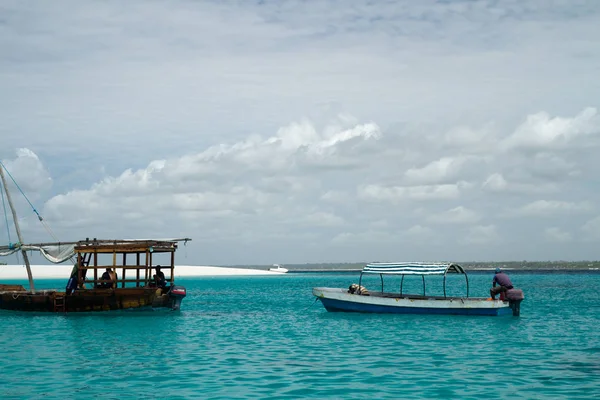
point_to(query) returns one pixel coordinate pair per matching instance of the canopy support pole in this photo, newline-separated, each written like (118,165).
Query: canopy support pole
(445,284)
(401,283)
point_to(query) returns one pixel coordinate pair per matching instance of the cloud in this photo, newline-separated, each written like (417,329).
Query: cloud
(399,193)
(548,208)
(496,183)
(457,215)
(334,196)
(471,140)
(356,238)
(540,131)
(29,172)
(322,219)
(482,234)
(438,171)
(420,233)
(557,235)
(591,229)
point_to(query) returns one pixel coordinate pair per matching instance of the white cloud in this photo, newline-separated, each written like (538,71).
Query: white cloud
(457,215)
(438,171)
(467,139)
(591,229)
(548,208)
(399,193)
(322,219)
(541,131)
(381,224)
(496,183)
(420,232)
(557,235)
(361,237)
(482,234)
(29,172)
(334,196)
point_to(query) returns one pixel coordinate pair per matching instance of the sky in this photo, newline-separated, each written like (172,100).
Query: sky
(307,132)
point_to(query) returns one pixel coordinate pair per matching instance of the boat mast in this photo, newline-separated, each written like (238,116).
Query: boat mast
(15,220)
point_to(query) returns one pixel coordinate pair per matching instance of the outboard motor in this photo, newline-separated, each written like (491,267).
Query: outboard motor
(176,294)
(515,297)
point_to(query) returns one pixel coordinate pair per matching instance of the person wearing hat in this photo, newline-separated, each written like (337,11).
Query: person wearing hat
(503,282)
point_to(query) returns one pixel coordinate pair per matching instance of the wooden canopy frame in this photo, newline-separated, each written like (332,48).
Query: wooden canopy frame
(141,251)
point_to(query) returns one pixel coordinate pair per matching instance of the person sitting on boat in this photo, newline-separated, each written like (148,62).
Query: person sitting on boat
(503,282)
(358,289)
(108,279)
(159,278)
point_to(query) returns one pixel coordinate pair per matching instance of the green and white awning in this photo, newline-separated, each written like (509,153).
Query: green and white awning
(413,268)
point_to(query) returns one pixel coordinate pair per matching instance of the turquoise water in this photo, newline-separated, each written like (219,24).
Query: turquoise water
(265,337)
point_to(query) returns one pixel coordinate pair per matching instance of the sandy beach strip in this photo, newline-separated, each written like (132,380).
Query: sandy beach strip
(64,271)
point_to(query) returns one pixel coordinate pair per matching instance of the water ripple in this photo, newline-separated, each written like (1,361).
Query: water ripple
(263,337)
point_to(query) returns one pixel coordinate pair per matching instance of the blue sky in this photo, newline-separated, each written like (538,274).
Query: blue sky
(291,131)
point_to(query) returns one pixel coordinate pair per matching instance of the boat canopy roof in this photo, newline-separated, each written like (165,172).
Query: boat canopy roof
(413,268)
(128,245)
(58,252)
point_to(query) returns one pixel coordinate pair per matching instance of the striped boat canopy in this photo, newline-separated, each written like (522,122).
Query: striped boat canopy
(413,268)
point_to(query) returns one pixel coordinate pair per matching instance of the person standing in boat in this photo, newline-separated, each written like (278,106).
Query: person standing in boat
(503,282)
(72,283)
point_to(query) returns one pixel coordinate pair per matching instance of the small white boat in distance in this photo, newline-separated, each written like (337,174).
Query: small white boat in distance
(278,268)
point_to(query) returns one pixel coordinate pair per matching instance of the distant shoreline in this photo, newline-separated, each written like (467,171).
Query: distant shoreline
(11,272)
(469,270)
(470,266)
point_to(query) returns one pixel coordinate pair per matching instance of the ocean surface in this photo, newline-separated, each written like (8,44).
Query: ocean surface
(266,337)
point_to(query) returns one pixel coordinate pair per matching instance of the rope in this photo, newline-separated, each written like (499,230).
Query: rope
(5,213)
(32,207)
(20,190)
(46,226)
(313,303)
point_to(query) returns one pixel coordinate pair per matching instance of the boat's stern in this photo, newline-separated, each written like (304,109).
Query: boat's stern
(176,295)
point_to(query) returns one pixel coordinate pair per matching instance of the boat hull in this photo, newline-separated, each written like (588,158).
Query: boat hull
(88,300)
(339,300)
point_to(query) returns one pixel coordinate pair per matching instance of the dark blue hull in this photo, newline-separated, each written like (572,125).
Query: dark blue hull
(335,305)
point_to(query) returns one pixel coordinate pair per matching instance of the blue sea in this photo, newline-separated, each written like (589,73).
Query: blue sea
(266,337)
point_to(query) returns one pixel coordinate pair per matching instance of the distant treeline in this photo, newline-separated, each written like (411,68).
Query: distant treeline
(469,265)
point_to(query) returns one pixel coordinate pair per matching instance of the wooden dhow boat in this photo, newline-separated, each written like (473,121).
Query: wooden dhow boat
(107,274)
(133,280)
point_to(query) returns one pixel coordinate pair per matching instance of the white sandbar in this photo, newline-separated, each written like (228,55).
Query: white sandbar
(64,271)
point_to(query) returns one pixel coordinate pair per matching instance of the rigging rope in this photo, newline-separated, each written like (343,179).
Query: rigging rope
(46,226)
(20,190)
(5,214)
